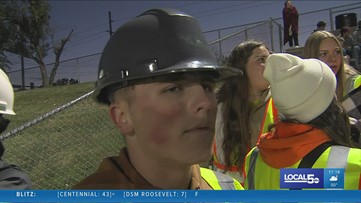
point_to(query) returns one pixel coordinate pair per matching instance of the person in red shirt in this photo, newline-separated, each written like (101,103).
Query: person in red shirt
(290,24)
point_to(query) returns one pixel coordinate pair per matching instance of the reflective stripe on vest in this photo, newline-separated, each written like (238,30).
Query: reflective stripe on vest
(333,157)
(337,157)
(218,164)
(252,166)
(219,181)
(270,116)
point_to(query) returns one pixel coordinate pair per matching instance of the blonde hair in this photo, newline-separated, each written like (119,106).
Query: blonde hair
(311,50)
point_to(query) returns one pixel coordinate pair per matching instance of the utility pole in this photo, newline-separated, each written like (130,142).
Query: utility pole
(110,24)
(22,72)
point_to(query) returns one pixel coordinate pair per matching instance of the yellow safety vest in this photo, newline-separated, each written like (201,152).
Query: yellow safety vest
(260,176)
(270,117)
(357,82)
(219,181)
(352,83)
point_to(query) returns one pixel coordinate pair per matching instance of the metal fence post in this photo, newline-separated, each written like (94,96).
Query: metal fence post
(220,44)
(271,33)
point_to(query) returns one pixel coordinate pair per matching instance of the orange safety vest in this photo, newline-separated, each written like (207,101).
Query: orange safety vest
(270,116)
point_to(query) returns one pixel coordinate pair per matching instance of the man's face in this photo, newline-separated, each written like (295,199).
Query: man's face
(289,4)
(173,121)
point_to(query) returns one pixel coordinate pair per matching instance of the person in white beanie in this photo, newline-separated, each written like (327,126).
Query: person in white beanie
(315,130)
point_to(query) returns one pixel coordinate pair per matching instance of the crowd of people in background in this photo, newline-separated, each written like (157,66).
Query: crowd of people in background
(350,45)
(350,40)
(259,112)
(321,25)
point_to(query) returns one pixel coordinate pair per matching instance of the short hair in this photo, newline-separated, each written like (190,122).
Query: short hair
(321,23)
(125,93)
(286,2)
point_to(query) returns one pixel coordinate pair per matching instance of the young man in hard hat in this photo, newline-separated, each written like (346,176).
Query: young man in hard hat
(11,176)
(157,75)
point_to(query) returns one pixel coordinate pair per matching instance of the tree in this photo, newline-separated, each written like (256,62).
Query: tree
(29,35)
(5,40)
(3,61)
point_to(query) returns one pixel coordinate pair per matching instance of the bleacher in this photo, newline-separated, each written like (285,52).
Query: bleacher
(295,51)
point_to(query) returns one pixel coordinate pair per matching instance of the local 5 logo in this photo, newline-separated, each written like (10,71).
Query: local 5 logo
(312,180)
(301,178)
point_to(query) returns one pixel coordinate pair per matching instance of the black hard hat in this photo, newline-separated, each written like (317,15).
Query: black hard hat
(157,42)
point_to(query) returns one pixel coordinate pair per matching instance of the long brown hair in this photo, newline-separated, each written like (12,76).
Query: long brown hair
(236,107)
(334,121)
(311,50)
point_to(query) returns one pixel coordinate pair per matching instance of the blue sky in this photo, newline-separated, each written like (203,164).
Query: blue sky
(89,19)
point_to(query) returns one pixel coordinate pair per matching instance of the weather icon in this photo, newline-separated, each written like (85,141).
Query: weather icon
(333,178)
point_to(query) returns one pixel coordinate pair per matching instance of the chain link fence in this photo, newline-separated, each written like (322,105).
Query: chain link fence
(63,145)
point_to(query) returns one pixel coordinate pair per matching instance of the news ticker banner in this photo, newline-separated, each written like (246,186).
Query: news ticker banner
(180,196)
(326,178)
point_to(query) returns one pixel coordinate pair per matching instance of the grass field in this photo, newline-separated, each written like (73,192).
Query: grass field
(38,101)
(62,149)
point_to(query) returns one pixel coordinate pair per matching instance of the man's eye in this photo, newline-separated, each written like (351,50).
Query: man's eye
(322,54)
(262,60)
(173,89)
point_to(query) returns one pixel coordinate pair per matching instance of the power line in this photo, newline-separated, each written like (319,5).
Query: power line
(220,11)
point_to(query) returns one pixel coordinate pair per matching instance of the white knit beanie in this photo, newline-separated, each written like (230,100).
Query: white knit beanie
(302,89)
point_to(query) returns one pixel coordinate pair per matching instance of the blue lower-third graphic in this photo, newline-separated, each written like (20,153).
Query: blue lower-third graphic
(301,178)
(334,178)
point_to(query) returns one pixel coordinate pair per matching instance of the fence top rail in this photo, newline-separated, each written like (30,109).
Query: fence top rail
(236,33)
(43,117)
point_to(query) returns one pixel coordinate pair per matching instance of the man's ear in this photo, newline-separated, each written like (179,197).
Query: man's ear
(119,113)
